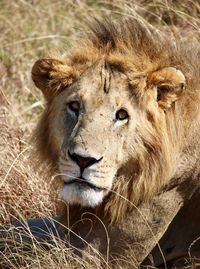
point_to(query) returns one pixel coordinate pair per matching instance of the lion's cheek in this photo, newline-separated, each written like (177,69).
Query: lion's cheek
(57,133)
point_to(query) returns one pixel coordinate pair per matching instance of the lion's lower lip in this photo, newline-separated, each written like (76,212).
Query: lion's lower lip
(83,182)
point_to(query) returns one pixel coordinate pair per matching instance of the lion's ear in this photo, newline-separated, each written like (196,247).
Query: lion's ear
(169,83)
(52,76)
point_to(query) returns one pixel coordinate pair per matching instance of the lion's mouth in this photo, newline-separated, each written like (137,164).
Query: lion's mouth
(83,183)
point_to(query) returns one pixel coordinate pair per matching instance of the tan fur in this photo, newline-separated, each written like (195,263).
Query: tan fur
(163,80)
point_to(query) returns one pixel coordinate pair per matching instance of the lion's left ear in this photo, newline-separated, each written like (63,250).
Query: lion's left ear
(169,83)
(51,76)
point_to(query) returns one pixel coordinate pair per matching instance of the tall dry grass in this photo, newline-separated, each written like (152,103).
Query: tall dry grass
(28,30)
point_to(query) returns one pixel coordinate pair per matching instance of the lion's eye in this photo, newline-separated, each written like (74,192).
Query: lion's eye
(122,114)
(74,106)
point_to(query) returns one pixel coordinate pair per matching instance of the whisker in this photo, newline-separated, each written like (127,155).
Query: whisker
(63,167)
(99,171)
(63,161)
(78,179)
(97,176)
(65,174)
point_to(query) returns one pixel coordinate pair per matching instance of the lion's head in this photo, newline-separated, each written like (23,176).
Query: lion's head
(112,119)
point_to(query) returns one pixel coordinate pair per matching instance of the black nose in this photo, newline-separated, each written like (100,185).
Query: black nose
(82,161)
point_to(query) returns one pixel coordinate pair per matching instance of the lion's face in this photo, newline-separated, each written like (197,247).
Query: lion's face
(93,121)
(107,128)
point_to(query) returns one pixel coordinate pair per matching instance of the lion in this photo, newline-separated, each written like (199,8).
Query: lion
(121,129)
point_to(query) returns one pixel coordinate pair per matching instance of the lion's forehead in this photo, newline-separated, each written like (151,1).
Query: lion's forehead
(94,98)
(102,80)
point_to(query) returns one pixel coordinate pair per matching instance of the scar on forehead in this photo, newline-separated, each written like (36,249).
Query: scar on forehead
(81,93)
(118,101)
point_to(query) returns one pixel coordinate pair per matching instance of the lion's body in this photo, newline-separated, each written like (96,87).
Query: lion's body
(121,126)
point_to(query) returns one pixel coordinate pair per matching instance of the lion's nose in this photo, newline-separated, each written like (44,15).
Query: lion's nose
(83,161)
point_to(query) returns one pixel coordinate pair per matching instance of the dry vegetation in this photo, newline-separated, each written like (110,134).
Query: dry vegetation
(29,29)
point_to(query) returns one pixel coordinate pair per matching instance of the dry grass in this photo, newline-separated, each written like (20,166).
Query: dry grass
(29,29)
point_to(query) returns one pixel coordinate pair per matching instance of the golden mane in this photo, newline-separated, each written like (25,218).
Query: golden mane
(138,50)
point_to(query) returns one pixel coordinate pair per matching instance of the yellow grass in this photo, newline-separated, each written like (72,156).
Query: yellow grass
(28,30)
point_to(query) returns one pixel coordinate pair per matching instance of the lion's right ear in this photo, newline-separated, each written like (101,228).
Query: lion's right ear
(52,76)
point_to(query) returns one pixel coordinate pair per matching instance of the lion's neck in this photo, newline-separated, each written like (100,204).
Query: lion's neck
(188,162)
(77,213)
(90,231)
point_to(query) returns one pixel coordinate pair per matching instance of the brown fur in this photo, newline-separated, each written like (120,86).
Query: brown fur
(150,59)
(136,50)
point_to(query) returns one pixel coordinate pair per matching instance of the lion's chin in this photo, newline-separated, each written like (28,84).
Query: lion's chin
(86,196)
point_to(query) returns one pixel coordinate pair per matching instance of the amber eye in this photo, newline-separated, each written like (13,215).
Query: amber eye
(122,114)
(74,106)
